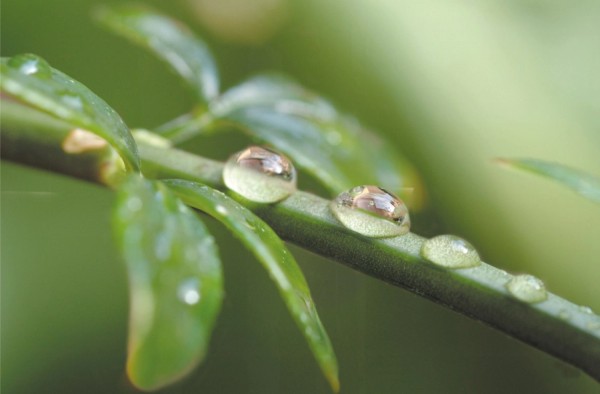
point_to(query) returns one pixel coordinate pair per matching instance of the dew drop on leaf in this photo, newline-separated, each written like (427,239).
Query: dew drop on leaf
(29,64)
(260,175)
(371,211)
(450,251)
(527,288)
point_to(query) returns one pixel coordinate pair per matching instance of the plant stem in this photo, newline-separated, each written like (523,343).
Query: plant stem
(555,326)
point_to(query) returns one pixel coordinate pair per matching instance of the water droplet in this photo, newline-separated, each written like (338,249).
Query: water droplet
(72,101)
(260,175)
(564,314)
(450,251)
(189,291)
(586,309)
(221,209)
(527,288)
(29,64)
(371,211)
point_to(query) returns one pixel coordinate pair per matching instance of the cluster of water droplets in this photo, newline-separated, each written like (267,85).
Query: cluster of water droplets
(265,176)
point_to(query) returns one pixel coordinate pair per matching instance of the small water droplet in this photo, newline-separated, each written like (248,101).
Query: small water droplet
(189,291)
(527,288)
(221,209)
(29,64)
(260,175)
(371,211)
(450,251)
(586,309)
(564,314)
(72,100)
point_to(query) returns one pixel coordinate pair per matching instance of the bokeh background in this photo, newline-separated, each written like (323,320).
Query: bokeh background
(451,85)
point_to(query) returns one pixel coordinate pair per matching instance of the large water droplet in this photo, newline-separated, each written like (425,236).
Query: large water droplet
(189,291)
(371,211)
(450,251)
(260,175)
(29,64)
(527,288)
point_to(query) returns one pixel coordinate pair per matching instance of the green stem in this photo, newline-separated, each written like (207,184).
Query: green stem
(555,326)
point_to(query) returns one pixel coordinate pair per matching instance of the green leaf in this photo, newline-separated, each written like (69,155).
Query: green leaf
(169,40)
(268,248)
(338,152)
(581,182)
(31,80)
(333,147)
(176,284)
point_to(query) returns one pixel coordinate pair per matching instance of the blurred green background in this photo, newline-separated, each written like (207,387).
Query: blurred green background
(451,85)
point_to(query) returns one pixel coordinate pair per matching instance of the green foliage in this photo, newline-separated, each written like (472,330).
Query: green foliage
(175,283)
(581,182)
(174,271)
(169,40)
(268,248)
(332,147)
(31,80)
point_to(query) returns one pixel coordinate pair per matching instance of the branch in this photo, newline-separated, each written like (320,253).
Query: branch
(555,326)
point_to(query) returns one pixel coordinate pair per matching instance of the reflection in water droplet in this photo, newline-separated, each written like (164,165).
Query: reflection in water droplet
(371,211)
(260,175)
(527,288)
(450,251)
(29,64)
(189,291)
(221,209)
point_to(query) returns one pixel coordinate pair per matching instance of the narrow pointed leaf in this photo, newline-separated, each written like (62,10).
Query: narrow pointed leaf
(169,40)
(581,182)
(268,248)
(176,283)
(31,80)
(272,90)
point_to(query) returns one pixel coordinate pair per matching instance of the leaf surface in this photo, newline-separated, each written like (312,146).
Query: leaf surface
(268,248)
(31,80)
(169,40)
(176,284)
(581,182)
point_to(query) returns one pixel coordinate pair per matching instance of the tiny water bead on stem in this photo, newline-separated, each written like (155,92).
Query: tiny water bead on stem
(450,251)
(371,211)
(527,288)
(260,175)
